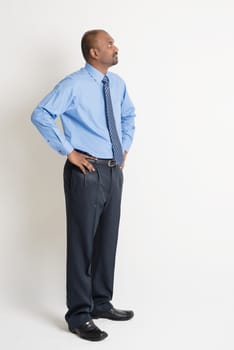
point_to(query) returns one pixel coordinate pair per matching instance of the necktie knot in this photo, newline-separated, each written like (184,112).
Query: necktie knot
(105,80)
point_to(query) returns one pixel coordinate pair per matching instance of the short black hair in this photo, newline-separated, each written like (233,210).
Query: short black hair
(88,40)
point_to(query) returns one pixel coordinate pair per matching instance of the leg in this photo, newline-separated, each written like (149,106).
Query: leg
(105,244)
(83,212)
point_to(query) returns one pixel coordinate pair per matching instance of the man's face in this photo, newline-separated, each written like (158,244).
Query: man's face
(106,50)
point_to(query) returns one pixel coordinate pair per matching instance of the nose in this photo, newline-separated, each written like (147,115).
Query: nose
(116,49)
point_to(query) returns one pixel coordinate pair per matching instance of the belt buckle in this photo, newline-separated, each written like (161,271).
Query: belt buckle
(111,163)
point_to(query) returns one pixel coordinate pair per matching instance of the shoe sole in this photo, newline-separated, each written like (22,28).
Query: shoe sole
(104,336)
(113,319)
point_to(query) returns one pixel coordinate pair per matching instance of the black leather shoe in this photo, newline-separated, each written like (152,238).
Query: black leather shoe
(89,331)
(114,314)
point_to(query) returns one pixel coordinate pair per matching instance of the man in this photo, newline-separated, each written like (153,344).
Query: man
(98,123)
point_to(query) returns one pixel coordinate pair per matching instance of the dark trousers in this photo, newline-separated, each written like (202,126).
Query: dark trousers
(93,211)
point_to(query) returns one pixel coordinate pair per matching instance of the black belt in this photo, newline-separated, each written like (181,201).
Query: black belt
(109,162)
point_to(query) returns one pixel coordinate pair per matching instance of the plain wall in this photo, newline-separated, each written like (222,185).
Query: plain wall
(175,259)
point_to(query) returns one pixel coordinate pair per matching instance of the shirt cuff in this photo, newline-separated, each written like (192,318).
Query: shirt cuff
(67,149)
(126,145)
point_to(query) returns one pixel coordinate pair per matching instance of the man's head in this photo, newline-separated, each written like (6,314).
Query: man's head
(99,50)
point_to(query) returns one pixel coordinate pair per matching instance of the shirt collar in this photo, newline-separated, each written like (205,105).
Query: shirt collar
(95,73)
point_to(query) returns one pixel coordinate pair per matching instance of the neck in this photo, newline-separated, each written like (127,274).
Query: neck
(99,67)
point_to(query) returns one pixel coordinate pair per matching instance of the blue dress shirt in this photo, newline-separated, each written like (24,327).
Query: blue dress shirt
(78,100)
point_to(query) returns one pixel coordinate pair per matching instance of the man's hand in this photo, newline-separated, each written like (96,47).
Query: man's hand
(123,163)
(81,160)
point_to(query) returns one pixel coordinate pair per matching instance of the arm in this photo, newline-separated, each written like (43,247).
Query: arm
(59,100)
(127,123)
(43,117)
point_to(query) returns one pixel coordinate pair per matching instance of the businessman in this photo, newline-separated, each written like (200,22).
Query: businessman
(98,127)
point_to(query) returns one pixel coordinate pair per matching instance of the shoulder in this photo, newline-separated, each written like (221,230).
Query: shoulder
(117,81)
(71,80)
(116,77)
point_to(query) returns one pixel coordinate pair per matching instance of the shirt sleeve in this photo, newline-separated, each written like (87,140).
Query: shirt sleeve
(58,101)
(127,121)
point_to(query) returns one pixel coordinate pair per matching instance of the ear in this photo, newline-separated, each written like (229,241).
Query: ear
(93,53)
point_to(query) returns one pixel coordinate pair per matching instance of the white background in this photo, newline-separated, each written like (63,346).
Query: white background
(175,260)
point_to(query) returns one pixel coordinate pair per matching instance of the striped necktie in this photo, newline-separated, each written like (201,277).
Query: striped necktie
(116,145)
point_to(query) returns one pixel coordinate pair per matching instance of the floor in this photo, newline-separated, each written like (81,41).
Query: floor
(160,323)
